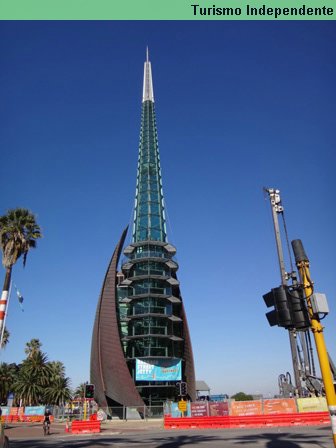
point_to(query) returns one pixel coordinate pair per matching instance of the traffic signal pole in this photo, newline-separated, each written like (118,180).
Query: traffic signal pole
(302,264)
(84,416)
(276,206)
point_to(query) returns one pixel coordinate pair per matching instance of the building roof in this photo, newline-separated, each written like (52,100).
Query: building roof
(202,386)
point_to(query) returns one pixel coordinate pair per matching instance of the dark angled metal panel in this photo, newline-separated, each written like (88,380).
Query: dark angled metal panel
(109,371)
(96,377)
(189,368)
(189,358)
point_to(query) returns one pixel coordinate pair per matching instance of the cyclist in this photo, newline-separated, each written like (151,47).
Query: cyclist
(46,422)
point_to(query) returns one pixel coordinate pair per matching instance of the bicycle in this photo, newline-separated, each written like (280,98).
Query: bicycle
(46,428)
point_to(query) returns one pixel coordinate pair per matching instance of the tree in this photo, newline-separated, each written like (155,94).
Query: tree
(33,346)
(18,234)
(58,391)
(80,391)
(34,375)
(57,370)
(27,388)
(241,396)
(36,366)
(8,374)
(58,388)
(40,381)
(5,338)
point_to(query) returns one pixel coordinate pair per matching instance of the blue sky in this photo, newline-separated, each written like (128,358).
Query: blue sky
(240,106)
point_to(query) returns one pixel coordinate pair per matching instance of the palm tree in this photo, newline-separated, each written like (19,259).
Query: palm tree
(27,388)
(36,366)
(18,234)
(8,374)
(80,391)
(34,377)
(5,338)
(33,346)
(58,391)
(40,381)
(57,370)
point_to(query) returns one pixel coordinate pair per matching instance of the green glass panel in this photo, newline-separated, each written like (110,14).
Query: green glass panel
(149,185)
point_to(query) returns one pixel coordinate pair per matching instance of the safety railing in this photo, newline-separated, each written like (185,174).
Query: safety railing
(110,413)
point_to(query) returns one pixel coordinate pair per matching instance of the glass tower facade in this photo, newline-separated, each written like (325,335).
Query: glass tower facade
(149,217)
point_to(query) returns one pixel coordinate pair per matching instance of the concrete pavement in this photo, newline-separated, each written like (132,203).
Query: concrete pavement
(35,430)
(150,434)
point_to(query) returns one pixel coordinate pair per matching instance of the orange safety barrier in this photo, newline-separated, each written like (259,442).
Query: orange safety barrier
(23,418)
(196,422)
(33,418)
(248,421)
(295,419)
(9,418)
(85,426)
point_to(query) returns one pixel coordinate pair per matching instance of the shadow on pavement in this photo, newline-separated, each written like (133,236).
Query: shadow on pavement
(168,442)
(176,440)
(282,440)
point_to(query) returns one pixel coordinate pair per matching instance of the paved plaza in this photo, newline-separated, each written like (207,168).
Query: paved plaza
(150,434)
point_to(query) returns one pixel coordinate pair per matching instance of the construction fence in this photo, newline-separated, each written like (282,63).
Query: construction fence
(172,409)
(246,408)
(23,414)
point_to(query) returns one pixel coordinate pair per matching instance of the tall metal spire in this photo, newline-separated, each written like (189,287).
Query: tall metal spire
(147,93)
(149,216)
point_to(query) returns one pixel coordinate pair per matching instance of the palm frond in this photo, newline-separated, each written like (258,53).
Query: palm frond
(18,234)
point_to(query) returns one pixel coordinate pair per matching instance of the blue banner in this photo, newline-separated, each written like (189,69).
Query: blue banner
(158,370)
(5,410)
(34,410)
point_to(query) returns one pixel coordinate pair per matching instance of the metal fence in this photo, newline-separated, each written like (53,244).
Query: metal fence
(112,413)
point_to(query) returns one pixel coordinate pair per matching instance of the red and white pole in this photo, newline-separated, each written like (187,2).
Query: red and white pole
(4,301)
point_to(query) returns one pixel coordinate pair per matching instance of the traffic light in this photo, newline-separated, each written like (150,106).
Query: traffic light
(183,389)
(89,390)
(281,315)
(289,308)
(299,310)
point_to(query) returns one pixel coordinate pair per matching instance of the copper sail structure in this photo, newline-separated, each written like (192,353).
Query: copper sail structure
(141,344)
